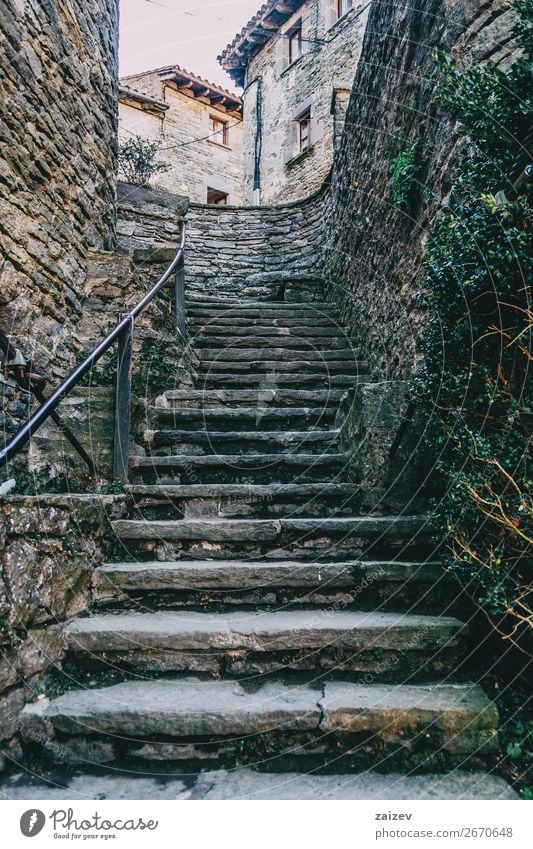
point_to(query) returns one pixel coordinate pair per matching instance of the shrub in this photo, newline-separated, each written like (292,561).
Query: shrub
(403,170)
(137,160)
(474,383)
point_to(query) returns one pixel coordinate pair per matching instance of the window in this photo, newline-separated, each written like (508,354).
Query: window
(217,197)
(304,130)
(218,130)
(343,6)
(295,43)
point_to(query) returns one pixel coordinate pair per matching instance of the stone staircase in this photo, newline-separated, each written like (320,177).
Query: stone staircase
(255,618)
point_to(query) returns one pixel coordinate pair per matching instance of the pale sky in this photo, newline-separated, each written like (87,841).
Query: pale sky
(180,32)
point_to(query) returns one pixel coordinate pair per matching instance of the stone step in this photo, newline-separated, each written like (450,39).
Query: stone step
(245,501)
(283,366)
(338,536)
(390,646)
(243,783)
(251,397)
(270,530)
(259,417)
(240,468)
(147,720)
(230,353)
(244,442)
(216,584)
(264,323)
(235,574)
(263,334)
(295,380)
(235,306)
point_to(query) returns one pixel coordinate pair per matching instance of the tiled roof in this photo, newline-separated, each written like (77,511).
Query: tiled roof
(144,100)
(218,95)
(252,37)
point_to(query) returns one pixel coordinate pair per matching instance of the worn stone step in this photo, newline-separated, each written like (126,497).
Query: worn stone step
(231,353)
(270,530)
(243,442)
(234,574)
(235,306)
(277,537)
(295,380)
(392,646)
(250,397)
(259,417)
(284,366)
(219,334)
(245,783)
(245,501)
(245,468)
(416,586)
(280,321)
(439,723)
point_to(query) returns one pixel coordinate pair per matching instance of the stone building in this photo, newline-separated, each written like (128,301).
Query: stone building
(199,128)
(296,62)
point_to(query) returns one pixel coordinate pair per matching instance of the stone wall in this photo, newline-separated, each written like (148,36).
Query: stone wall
(250,251)
(375,251)
(191,167)
(331,50)
(50,546)
(57,171)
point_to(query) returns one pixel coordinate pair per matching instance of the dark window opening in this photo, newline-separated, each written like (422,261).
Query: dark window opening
(217,197)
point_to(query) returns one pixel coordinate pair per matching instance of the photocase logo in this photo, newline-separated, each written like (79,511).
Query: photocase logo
(32,822)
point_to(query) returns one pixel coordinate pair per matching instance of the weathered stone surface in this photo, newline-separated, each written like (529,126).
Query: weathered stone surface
(263,631)
(216,574)
(58,172)
(374,251)
(88,786)
(263,530)
(246,784)
(184,708)
(458,717)
(11,705)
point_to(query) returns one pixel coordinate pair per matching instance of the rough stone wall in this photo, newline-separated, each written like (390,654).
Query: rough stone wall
(250,250)
(50,546)
(330,53)
(57,172)
(375,251)
(192,167)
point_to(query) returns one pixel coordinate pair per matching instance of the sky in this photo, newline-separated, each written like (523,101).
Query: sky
(180,32)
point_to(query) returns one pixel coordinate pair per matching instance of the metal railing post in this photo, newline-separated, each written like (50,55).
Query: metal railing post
(179,302)
(123,403)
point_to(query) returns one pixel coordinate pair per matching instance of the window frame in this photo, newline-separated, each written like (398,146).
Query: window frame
(214,133)
(343,7)
(223,199)
(295,34)
(304,142)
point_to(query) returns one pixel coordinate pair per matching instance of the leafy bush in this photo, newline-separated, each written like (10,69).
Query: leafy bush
(474,382)
(137,160)
(403,171)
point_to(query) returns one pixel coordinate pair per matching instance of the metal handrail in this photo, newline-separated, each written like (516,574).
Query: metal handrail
(121,332)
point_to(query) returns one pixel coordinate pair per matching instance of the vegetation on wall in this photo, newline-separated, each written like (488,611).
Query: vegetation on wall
(404,170)
(474,382)
(137,160)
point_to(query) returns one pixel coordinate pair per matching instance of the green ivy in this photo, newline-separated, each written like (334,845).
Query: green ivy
(404,170)
(474,382)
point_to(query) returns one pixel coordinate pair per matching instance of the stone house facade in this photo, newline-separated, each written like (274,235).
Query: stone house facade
(199,128)
(296,62)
